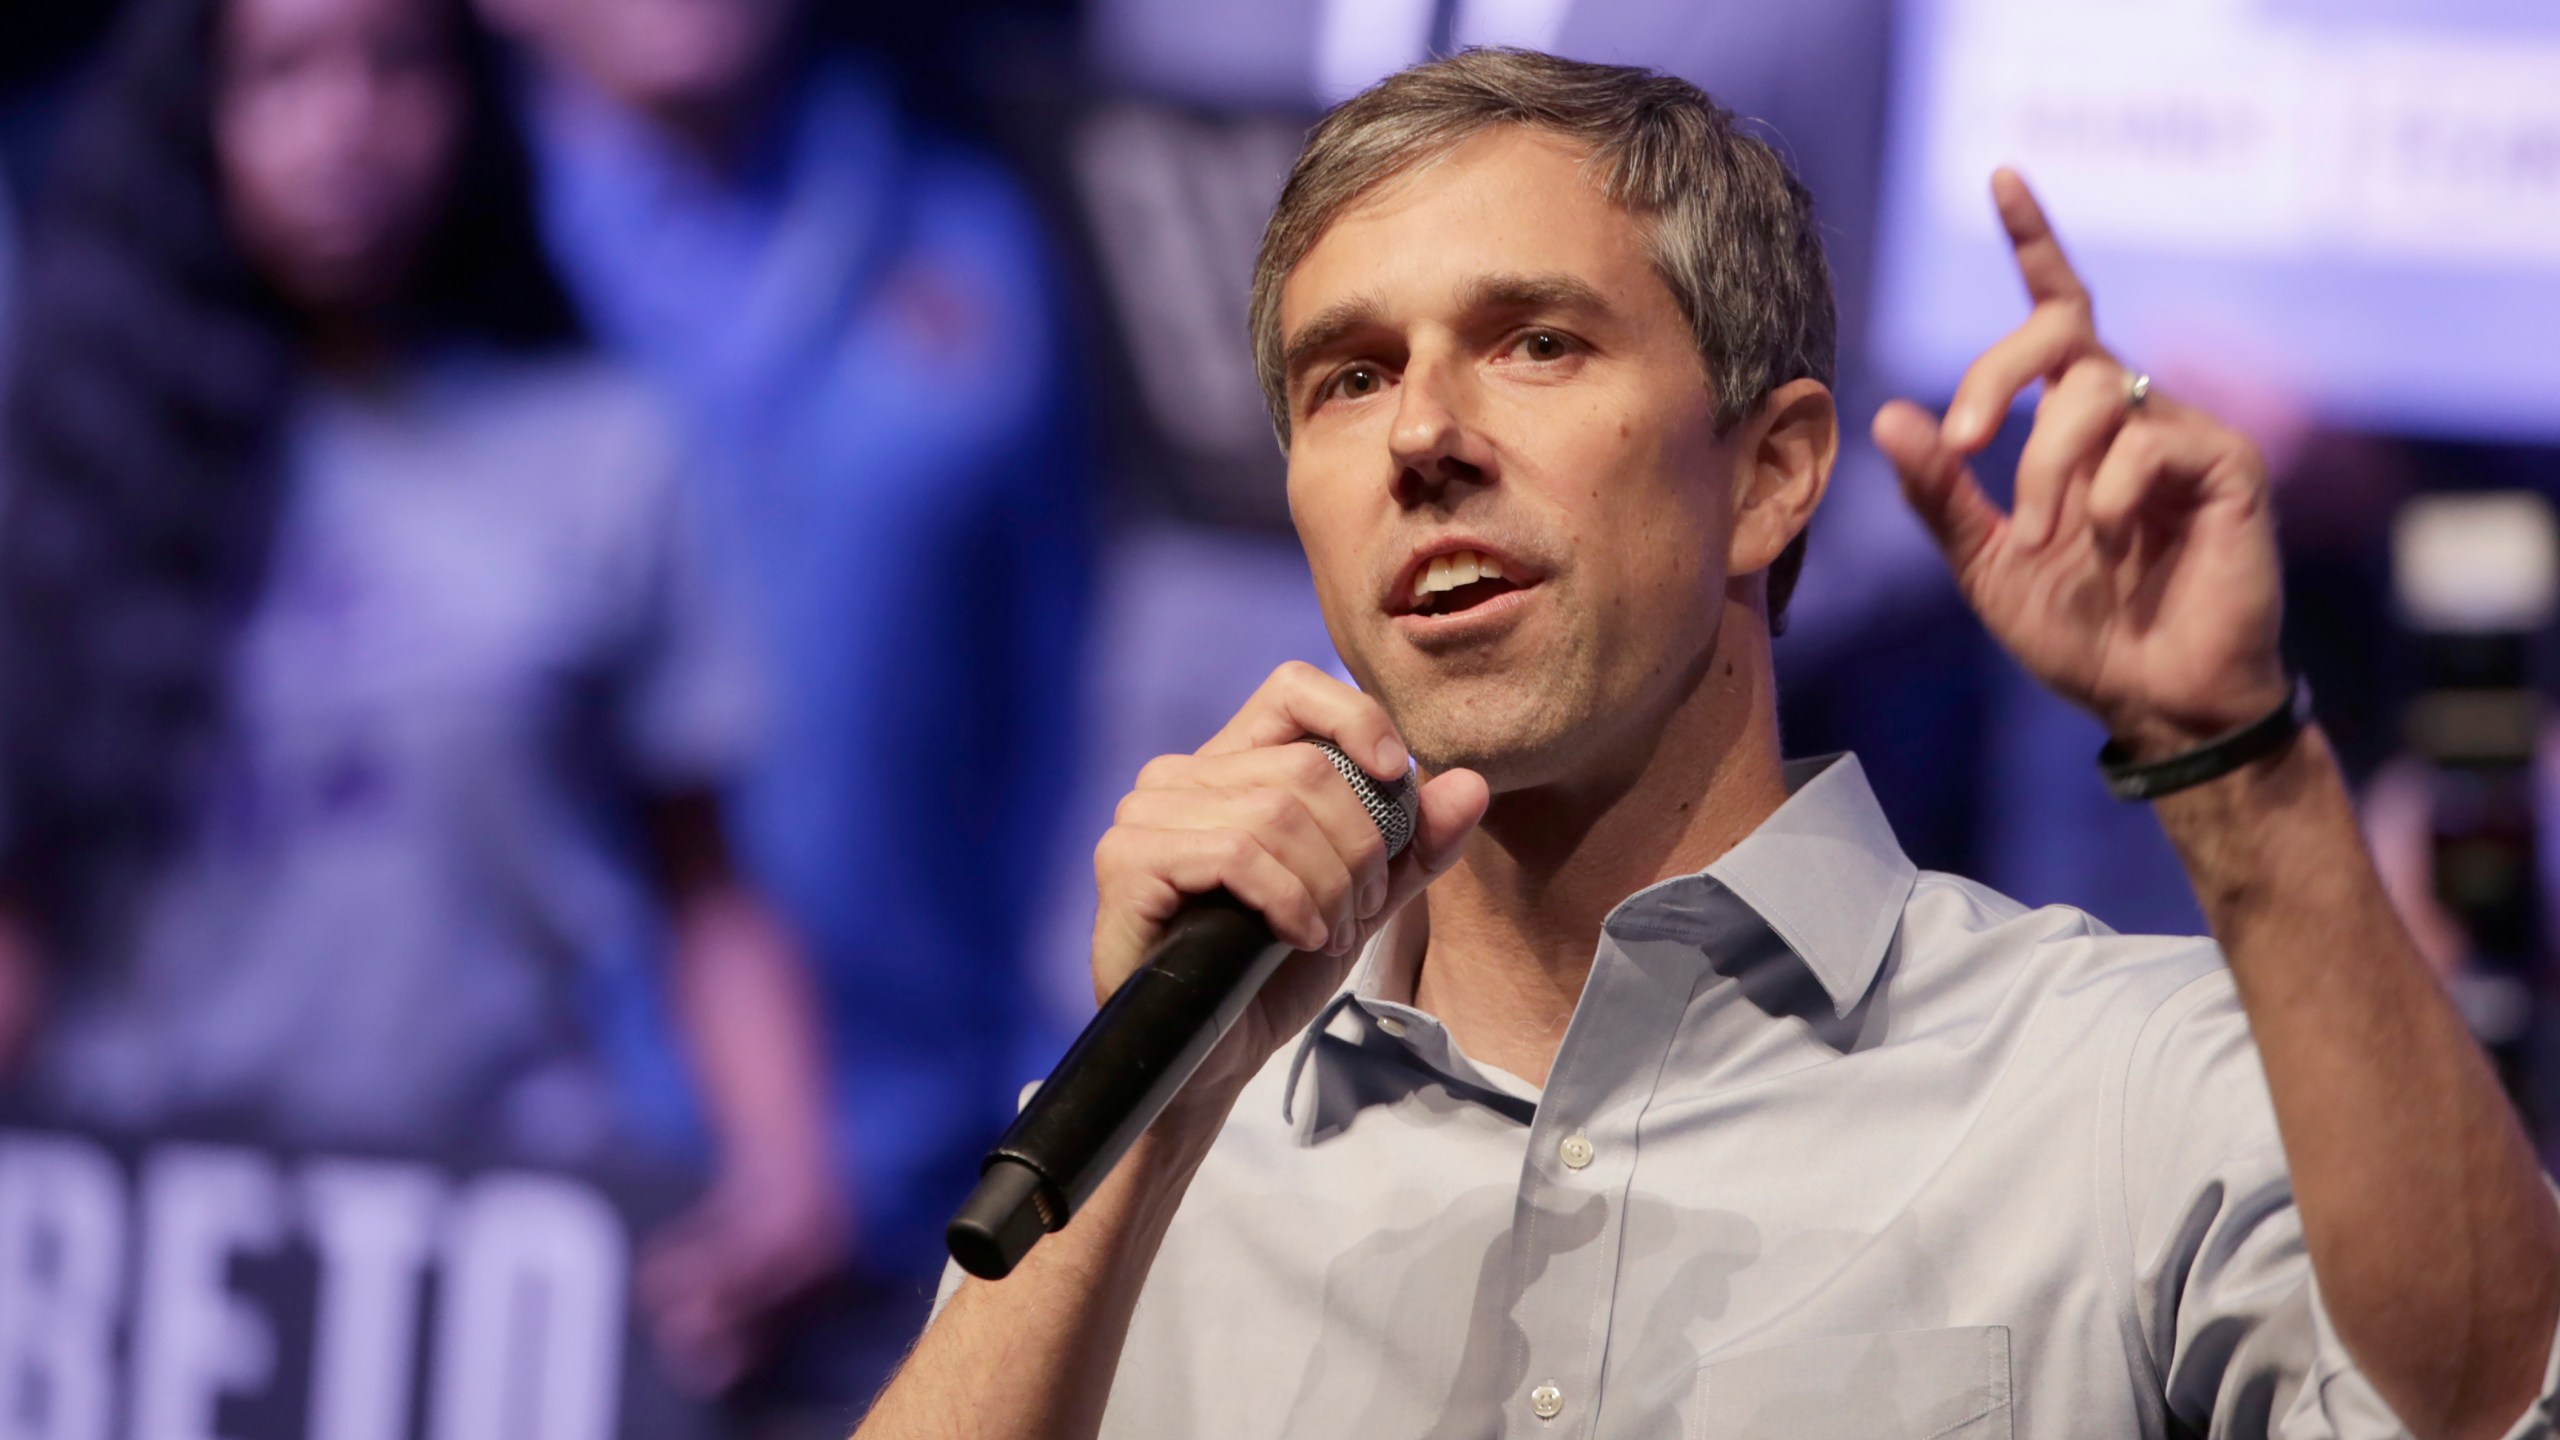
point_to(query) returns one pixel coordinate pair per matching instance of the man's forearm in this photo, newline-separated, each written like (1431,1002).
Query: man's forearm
(2436,1243)
(1031,1356)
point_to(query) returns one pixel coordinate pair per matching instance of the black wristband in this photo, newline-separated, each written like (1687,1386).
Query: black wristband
(2213,759)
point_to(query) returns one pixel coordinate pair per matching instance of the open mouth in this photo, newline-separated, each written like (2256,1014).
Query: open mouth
(1458,582)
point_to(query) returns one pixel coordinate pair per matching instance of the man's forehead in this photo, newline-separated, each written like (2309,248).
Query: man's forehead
(1511,213)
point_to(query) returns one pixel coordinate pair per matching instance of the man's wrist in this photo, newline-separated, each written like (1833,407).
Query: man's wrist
(2230,817)
(2161,760)
(2148,735)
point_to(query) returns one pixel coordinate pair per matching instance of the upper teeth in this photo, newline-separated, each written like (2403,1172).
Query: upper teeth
(1448,572)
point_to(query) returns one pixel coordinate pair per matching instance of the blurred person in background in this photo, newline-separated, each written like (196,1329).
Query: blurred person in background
(855,311)
(362,704)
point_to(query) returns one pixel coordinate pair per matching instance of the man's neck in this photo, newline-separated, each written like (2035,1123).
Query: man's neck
(1514,927)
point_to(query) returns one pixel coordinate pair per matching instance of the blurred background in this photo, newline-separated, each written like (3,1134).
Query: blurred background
(579,577)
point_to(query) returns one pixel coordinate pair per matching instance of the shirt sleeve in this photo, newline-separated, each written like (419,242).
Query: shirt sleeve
(2229,1309)
(953,1277)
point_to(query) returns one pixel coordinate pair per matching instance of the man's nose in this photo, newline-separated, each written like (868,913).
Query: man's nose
(1435,442)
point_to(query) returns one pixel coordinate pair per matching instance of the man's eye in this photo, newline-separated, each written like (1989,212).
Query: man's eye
(1357,381)
(1543,345)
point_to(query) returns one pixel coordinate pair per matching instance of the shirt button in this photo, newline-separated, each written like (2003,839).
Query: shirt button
(1576,1151)
(1391,1025)
(1547,1401)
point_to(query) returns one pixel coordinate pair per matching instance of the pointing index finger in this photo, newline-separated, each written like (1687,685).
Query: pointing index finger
(2041,263)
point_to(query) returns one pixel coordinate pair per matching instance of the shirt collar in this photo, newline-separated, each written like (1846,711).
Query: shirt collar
(1823,872)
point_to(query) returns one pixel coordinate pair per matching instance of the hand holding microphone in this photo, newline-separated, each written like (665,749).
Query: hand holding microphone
(1235,886)
(1270,821)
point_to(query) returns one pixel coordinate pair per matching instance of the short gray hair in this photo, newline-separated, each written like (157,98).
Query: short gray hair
(1731,228)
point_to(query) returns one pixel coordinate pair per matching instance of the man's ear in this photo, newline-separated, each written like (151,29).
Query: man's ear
(1789,444)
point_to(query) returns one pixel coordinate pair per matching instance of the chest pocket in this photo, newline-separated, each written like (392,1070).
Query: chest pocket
(1912,1385)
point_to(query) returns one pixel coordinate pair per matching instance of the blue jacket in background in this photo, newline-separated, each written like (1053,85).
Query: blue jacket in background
(861,333)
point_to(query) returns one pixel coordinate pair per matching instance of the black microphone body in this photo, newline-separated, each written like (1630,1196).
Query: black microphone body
(1135,1054)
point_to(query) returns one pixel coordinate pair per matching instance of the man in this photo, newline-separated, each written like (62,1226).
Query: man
(1169,172)
(1680,1104)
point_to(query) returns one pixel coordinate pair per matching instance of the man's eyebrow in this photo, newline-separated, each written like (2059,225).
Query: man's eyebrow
(1533,292)
(1327,329)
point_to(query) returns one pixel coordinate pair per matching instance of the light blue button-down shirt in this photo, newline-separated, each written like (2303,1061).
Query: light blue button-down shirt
(1832,1148)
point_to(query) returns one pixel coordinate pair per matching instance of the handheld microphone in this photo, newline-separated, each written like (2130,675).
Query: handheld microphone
(1135,1054)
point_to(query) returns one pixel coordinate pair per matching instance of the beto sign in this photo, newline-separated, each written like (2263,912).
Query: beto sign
(184,1290)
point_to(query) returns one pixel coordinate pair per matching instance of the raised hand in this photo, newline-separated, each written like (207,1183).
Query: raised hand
(2136,573)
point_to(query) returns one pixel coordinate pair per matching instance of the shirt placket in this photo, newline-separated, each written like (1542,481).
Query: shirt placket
(1574,1183)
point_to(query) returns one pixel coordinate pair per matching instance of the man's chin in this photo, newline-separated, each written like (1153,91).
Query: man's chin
(1510,752)
(1505,772)
(1515,725)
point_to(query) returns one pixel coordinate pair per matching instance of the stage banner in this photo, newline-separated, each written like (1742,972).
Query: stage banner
(188,1288)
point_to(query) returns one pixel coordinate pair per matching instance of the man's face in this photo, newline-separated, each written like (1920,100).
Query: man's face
(1482,361)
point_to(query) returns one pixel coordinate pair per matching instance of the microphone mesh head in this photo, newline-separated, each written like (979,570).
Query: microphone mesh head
(1394,808)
